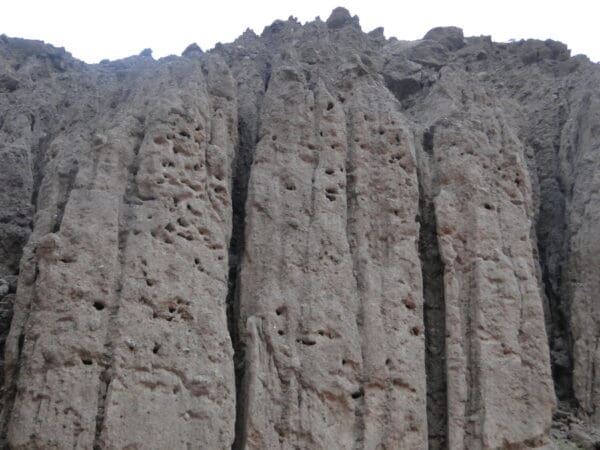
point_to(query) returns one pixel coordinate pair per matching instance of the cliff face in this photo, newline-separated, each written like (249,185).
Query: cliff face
(315,238)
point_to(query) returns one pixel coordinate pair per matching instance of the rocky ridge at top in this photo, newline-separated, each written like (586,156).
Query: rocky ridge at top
(315,238)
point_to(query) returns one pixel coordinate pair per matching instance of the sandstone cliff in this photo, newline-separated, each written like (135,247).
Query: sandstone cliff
(315,238)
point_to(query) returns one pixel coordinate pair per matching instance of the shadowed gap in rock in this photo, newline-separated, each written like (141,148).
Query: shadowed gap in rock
(241,175)
(434,314)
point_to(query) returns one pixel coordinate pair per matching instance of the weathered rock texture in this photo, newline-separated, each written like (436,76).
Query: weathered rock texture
(315,238)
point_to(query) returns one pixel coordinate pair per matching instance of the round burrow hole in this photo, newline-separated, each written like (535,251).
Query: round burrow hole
(99,305)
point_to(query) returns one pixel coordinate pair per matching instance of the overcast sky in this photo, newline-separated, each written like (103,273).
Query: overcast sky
(112,29)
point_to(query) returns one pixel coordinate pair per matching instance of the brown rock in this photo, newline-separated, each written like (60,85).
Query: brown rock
(315,238)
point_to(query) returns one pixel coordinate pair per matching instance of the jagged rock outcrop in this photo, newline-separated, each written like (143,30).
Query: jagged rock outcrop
(314,238)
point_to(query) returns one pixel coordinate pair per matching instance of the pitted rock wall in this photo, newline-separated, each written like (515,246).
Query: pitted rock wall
(314,238)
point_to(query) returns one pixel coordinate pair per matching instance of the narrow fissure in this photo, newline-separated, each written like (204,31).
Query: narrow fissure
(129,196)
(39,162)
(8,391)
(434,314)
(359,395)
(551,231)
(8,386)
(66,184)
(242,164)
(559,333)
(6,314)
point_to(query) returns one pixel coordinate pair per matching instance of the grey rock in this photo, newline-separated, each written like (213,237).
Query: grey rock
(315,238)
(339,18)
(450,37)
(192,50)
(8,83)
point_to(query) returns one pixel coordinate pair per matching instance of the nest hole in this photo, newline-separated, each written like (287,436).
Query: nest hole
(99,305)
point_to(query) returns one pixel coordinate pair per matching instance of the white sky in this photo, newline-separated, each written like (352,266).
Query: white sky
(112,29)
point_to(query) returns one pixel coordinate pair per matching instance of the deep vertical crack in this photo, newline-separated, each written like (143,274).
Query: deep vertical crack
(8,385)
(125,216)
(552,234)
(242,164)
(434,312)
(351,206)
(66,183)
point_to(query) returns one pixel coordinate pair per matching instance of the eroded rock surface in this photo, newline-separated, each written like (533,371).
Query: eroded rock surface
(314,238)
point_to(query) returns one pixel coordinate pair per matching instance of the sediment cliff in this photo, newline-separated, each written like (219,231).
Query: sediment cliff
(315,238)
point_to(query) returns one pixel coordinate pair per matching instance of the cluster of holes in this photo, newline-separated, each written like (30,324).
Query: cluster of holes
(184,231)
(156,233)
(179,307)
(194,186)
(186,234)
(331,193)
(180,148)
(281,310)
(331,256)
(325,333)
(396,157)
(149,281)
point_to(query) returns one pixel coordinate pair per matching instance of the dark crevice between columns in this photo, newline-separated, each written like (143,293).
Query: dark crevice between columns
(552,236)
(66,182)
(242,163)
(434,310)
(39,155)
(8,386)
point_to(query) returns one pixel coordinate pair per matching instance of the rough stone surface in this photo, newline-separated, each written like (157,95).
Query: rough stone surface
(315,238)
